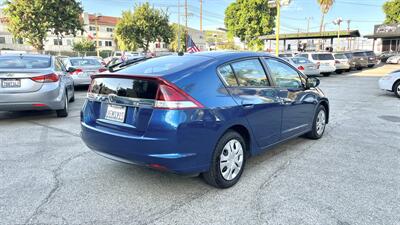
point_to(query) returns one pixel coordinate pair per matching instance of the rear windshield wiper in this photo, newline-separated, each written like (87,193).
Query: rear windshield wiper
(124,64)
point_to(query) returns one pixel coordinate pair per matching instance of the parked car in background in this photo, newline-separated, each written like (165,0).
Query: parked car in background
(391,82)
(384,56)
(82,68)
(393,59)
(372,58)
(304,65)
(342,63)
(356,61)
(153,115)
(325,61)
(34,82)
(362,59)
(286,54)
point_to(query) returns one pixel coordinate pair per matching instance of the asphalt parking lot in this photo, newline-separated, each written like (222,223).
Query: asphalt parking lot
(350,176)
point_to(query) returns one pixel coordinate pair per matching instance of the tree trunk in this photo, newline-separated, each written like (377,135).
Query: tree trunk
(321,26)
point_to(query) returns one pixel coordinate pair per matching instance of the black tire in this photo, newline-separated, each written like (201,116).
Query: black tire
(348,70)
(72,98)
(326,74)
(396,89)
(63,112)
(339,71)
(314,134)
(370,66)
(214,176)
(359,68)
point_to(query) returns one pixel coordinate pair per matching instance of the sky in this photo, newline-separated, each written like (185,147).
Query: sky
(363,14)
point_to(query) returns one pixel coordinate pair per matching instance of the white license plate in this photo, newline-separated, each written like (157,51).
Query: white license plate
(11,83)
(116,113)
(83,75)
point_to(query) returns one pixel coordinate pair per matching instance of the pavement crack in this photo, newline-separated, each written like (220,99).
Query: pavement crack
(57,185)
(56,129)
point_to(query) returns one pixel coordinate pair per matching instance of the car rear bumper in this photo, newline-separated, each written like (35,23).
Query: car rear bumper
(342,66)
(81,80)
(311,72)
(159,153)
(327,69)
(48,97)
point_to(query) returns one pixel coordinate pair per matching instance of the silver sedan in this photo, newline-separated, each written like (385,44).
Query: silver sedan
(34,82)
(304,65)
(82,68)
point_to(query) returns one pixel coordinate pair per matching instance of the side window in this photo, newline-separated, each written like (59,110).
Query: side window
(303,55)
(250,73)
(315,56)
(227,74)
(58,65)
(283,75)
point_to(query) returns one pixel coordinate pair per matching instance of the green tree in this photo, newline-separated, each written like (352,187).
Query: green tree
(325,6)
(143,26)
(249,19)
(174,42)
(84,45)
(34,19)
(392,11)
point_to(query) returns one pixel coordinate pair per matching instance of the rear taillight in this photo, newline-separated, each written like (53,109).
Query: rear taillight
(337,61)
(102,70)
(76,72)
(171,97)
(48,78)
(300,68)
(318,64)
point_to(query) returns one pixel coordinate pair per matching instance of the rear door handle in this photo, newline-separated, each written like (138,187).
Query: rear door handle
(248,106)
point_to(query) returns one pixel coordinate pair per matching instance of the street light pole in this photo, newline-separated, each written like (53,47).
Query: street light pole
(278,15)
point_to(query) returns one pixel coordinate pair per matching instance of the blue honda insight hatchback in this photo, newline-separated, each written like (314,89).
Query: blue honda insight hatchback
(201,113)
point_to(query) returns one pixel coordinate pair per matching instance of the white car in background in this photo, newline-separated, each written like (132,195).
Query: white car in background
(325,60)
(391,82)
(393,59)
(341,63)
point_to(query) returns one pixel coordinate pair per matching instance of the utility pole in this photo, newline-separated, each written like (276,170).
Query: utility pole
(338,21)
(201,15)
(348,39)
(278,22)
(186,25)
(308,23)
(97,35)
(179,25)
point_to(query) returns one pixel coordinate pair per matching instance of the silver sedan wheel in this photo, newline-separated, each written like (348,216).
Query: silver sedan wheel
(398,90)
(231,159)
(320,123)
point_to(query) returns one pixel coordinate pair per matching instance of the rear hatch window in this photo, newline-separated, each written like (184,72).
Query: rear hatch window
(322,56)
(359,54)
(340,56)
(165,64)
(84,62)
(24,62)
(301,60)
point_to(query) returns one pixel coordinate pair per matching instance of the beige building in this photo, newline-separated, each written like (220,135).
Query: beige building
(106,25)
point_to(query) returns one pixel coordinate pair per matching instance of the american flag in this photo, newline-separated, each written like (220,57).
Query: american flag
(191,46)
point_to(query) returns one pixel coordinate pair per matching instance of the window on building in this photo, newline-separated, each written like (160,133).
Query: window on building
(157,45)
(108,43)
(57,42)
(109,29)
(100,43)
(69,42)
(92,28)
(2,40)
(18,41)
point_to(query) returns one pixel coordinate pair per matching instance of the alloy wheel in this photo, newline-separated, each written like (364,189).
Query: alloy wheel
(321,121)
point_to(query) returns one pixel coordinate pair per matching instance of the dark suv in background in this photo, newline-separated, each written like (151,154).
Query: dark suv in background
(372,58)
(357,60)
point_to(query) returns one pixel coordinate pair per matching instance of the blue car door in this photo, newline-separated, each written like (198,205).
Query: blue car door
(298,104)
(259,102)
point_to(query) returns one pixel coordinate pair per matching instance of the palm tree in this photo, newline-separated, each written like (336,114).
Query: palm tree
(325,6)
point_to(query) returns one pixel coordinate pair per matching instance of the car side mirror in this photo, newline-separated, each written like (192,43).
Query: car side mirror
(312,82)
(71,69)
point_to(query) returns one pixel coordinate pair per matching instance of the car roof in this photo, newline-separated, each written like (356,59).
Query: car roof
(226,55)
